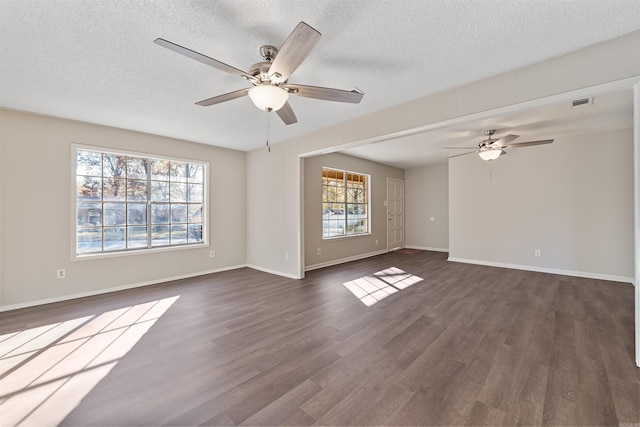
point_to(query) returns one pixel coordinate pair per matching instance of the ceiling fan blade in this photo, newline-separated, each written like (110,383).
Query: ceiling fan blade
(287,115)
(294,50)
(463,154)
(530,143)
(325,93)
(202,58)
(506,139)
(222,98)
(460,148)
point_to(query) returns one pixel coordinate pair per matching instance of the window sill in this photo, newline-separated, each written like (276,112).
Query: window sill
(145,251)
(348,236)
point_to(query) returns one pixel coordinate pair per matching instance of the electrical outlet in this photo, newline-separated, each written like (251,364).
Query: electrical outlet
(537,253)
(61,274)
(212,254)
(376,241)
(319,251)
(286,256)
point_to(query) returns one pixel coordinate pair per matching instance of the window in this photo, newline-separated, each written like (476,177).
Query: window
(131,202)
(345,203)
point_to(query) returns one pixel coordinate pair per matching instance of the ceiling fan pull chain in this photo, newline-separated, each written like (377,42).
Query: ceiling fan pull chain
(268,129)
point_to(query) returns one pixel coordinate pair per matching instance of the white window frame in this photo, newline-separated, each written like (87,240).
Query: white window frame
(75,256)
(346,219)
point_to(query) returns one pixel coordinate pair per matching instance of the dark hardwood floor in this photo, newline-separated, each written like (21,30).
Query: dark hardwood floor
(467,345)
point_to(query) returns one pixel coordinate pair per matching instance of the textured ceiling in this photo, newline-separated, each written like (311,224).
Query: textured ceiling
(607,111)
(95,61)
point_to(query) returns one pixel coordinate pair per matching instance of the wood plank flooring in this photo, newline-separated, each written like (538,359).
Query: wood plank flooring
(468,345)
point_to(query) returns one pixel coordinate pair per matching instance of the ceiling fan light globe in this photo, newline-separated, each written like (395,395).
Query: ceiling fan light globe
(268,97)
(489,154)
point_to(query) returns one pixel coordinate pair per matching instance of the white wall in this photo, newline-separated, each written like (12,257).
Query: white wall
(572,199)
(596,65)
(427,196)
(338,249)
(36,215)
(269,209)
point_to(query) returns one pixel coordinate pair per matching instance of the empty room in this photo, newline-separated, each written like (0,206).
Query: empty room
(354,212)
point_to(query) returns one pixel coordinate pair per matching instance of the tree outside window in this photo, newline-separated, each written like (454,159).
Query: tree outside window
(345,203)
(126,202)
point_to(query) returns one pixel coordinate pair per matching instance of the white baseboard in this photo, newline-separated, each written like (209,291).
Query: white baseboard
(584,274)
(343,260)
(427,248)
(313,267)
(114,289)
(276,272)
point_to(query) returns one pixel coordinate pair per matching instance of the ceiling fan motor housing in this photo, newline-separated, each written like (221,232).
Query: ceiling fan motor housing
(260,70)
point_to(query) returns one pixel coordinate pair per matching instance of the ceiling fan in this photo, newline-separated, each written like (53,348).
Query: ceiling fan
(271,89)
(491,149)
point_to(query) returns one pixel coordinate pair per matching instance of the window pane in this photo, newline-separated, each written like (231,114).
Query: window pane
(179,213)
(178,192)
(332,228)
(137,237)
(355,210)
(336,192)
(89,239)
(178,172)
(356,194)
(114,165)
(354,178)
(159,191)
(337,210)
(160,235)
(137,168)
(114,238)
(88,188)
(88,163)
(195,213)
(356,226)
(195,193)
(196,173)
(136,189)
(114,189)
(160,170)
(114,214)
(89,214)
(332,174)
(160,213)
(195,233)
(325,229)
(136,213)
(328,195)
(178,234)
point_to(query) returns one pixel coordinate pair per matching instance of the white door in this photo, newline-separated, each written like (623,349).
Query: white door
(395,214)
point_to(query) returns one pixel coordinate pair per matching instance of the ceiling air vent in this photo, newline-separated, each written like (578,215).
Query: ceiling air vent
(581,102)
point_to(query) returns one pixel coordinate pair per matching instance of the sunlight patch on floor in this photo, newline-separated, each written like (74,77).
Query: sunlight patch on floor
(45,372)
(374,288)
